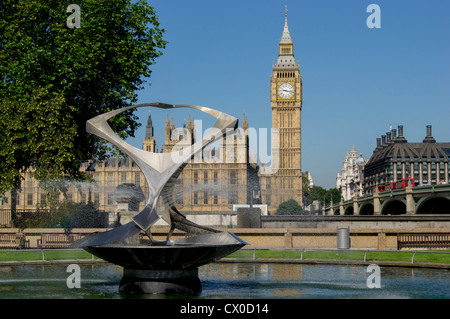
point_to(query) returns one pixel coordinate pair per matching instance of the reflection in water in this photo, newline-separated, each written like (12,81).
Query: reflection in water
(236,280)
(287,293)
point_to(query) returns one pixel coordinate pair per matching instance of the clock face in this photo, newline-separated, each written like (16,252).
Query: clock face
(286,90)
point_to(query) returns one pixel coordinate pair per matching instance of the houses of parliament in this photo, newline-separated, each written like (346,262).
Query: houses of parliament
(207,185)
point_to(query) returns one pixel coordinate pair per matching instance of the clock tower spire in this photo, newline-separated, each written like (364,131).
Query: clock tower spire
(286,47)
(286,103)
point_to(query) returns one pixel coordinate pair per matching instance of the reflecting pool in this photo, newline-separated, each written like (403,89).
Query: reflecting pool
(236,281)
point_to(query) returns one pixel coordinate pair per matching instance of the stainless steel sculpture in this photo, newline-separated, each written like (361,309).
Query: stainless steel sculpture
(160,266)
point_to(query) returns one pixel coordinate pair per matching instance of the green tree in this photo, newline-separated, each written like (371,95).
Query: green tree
(306,188)
(323,195)
(289,207)
(334,194)
(54,78)
(35,136)
(317,193)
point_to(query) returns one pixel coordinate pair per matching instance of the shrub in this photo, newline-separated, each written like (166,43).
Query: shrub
(289,207)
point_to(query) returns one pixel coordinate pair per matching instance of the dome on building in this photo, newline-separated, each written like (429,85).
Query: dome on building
(360,160)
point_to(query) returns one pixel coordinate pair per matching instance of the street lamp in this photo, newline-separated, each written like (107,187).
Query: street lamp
(255,195)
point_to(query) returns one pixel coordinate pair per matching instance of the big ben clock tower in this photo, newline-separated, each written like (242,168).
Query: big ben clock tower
(286,102)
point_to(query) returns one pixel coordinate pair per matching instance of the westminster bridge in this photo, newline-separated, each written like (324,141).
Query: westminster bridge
(434,199)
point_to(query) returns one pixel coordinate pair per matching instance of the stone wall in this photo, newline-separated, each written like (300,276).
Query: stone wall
(382,238)
(359,221)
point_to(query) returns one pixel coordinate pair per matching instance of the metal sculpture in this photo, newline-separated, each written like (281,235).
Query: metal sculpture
(159,266)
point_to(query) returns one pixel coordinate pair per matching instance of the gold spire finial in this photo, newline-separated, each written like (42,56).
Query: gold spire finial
(285,10)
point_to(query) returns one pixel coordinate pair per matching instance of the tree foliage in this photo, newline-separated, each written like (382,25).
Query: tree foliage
(38,133)
(54,78)
(289,207)
(324,196)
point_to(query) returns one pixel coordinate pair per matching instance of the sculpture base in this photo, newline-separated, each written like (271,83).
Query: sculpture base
(143,281)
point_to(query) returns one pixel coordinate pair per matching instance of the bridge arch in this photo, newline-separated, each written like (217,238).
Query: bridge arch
(433,205)
(337,211)
(393,207)
(349,210)
(366,209)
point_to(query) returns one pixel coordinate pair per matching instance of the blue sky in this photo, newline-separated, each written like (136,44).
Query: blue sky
(356,81)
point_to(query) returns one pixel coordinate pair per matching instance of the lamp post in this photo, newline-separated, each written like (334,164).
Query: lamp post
(255,195)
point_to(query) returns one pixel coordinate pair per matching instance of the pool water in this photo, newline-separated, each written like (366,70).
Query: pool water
(236,281)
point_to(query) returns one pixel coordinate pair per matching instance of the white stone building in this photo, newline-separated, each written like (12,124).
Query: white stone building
(350,181)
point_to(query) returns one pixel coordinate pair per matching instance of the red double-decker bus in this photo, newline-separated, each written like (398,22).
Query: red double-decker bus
(402,183)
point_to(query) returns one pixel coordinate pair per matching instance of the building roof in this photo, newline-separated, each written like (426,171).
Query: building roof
(396,148)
